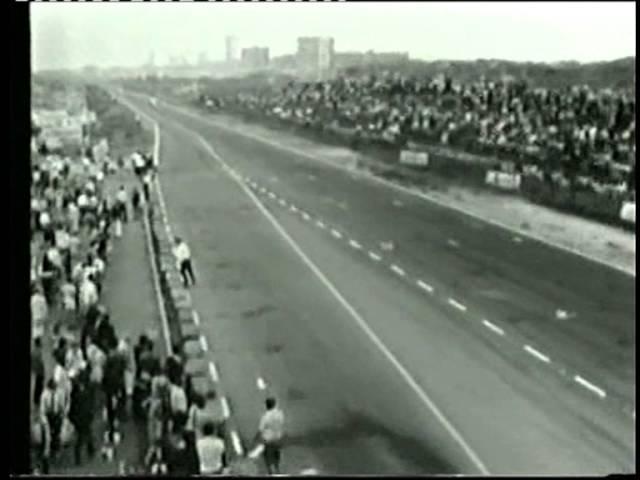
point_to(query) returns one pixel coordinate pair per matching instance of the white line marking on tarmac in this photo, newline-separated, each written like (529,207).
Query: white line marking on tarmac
(203,343)
(375,256)
(537,354)
(590,386)
(396,269)
(309,471)
(283,202)
(293,208)
(256,452)
(272,195)
(320,224)
(263,190)
(458,305)
(425,286)
(237,444)
(261,384)
(226,413)
(196,318)
(213,371)
(336,233)
(355,244)
(493,327)
(453,243)
(402,371)
(306,216)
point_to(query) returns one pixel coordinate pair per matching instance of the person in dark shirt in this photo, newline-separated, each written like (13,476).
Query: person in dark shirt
(114,389)
(177,453)
(81,415)
(105,336)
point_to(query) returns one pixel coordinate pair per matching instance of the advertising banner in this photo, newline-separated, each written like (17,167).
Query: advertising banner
(417,159)
(505,181)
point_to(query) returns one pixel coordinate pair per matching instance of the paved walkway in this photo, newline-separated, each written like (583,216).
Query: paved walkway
(129,295)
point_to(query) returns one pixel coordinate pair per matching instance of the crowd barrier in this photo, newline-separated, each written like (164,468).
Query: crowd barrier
(503,180)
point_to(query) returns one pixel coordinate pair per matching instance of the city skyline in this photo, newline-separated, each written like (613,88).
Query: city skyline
(74,35)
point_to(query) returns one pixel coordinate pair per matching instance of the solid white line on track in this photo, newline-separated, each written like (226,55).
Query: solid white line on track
(402,371)
(425,286)
(355,244)
(336,233)
(203,343)
(237,444)
(261,383)
(374,256)
(196,318)
(458,305)
(226,412)
(493,327)
(590,386)
(537,354)
(213,371)
(320,224)
(397,270)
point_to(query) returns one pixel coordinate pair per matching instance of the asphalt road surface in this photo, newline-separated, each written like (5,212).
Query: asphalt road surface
(400,336)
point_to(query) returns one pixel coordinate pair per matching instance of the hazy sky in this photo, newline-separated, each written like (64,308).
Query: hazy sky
(76,34)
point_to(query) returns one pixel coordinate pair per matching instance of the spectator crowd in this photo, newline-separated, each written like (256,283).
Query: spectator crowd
(582,132)
(80,364)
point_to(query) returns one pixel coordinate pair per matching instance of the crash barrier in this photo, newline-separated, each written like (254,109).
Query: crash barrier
(183,324)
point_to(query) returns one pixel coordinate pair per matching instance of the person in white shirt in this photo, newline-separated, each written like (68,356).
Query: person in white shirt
(69,294)
(183,259)
(271,431)
(211,451)
(64,246)
(73,214)
(44,220)
(39,312)
(74,359)
(88,294)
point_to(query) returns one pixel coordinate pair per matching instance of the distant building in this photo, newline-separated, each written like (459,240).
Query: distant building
(315,57)
(232,45)
(255,57)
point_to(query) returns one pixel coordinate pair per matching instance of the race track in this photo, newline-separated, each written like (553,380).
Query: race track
(400,336)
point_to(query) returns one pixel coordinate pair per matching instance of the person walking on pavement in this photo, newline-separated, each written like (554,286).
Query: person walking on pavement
(37,370)
(40,444)
(39,312)
(271,431)
(114,390)
(53,411)
(121,198)
(183,258)
(81,415)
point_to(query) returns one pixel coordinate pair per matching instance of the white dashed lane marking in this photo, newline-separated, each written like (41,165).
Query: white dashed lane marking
(237,444)
(261,383)
(203,343)
(226,413)
(355,244)
(196,318)
(458,305)
(213,371)
(283,202)
(425,286)
(453,243)
(493,327)
(374,256)
(320,224)
(293,208)
(306,216)
(397,270)
(537,354)
(272,195)
(336,233)
(590,386)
